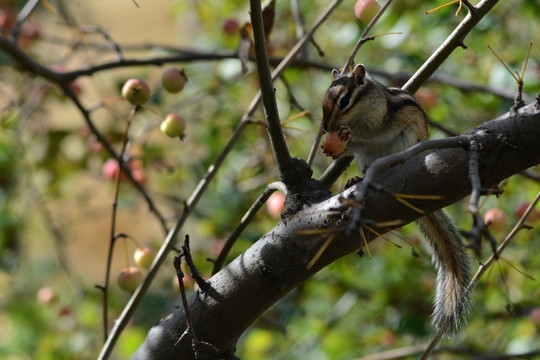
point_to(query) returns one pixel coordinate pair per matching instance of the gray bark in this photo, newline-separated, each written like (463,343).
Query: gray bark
(276,264)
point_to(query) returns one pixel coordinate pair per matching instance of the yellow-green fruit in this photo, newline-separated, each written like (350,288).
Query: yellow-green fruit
(173,80)
(144,256)
(129,279)
(173,126)
(136,91)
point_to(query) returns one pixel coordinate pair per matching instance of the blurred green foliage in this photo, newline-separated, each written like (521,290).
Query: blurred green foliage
(55,202)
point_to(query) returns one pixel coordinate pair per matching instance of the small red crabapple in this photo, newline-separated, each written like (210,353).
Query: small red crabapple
(139,175)
(534,316)
(110,169)
(144,256)
(73,85)
(520,211)
(76,88)
(136,91)
(333,145)
(173,126)
(427,98)
(216,246)
(173,80)
(137,170)
(129,279)
(93,144)
(495,219)
(65,311)
(29,32)
(7,20)
(230,26)
(275,204)
(365,10)
(46,295)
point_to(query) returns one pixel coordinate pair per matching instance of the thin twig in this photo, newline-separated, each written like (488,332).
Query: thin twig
(190,330)
(449,45)
(294,102)
(334,171)
(184,55)
(177,263)
(107,146)
(113,45)
(362,40)
(479,228)
(23,15)
(112,240)
(203,284)
(516,79)
(169,241)
(246,219)
(401,353)
(315,146)
(298,23)
(63,80)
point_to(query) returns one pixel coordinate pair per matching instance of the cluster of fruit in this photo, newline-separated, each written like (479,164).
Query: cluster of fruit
(137,92)
(131,277)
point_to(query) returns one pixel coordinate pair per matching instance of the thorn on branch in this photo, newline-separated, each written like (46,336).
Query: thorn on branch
(177,263)
(469,6)
(120,236)
(479,228)
(113,45)
(518,99)
(186,251)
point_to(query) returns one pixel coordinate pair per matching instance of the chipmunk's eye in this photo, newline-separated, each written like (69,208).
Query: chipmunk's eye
(344,102)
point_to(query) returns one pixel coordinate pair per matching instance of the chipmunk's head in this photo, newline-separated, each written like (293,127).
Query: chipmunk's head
(342,96)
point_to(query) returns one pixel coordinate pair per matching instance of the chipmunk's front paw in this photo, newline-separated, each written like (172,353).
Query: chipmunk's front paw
(344,133)
(353,181)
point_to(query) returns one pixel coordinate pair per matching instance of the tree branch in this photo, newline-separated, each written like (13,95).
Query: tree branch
(170,239)
(254,281)
(281,151)
(449,45)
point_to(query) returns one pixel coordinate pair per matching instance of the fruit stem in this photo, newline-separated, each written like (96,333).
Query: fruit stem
(105,288)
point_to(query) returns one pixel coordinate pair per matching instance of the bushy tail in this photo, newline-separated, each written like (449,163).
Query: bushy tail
(453,269)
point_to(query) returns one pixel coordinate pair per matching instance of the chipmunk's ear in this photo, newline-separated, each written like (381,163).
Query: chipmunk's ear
(335,74)
(359,73)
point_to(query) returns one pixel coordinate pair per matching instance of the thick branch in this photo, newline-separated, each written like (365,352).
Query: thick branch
(169,241)
(277,262)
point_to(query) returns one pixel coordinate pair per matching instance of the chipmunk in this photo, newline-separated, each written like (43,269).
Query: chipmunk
(373,121)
